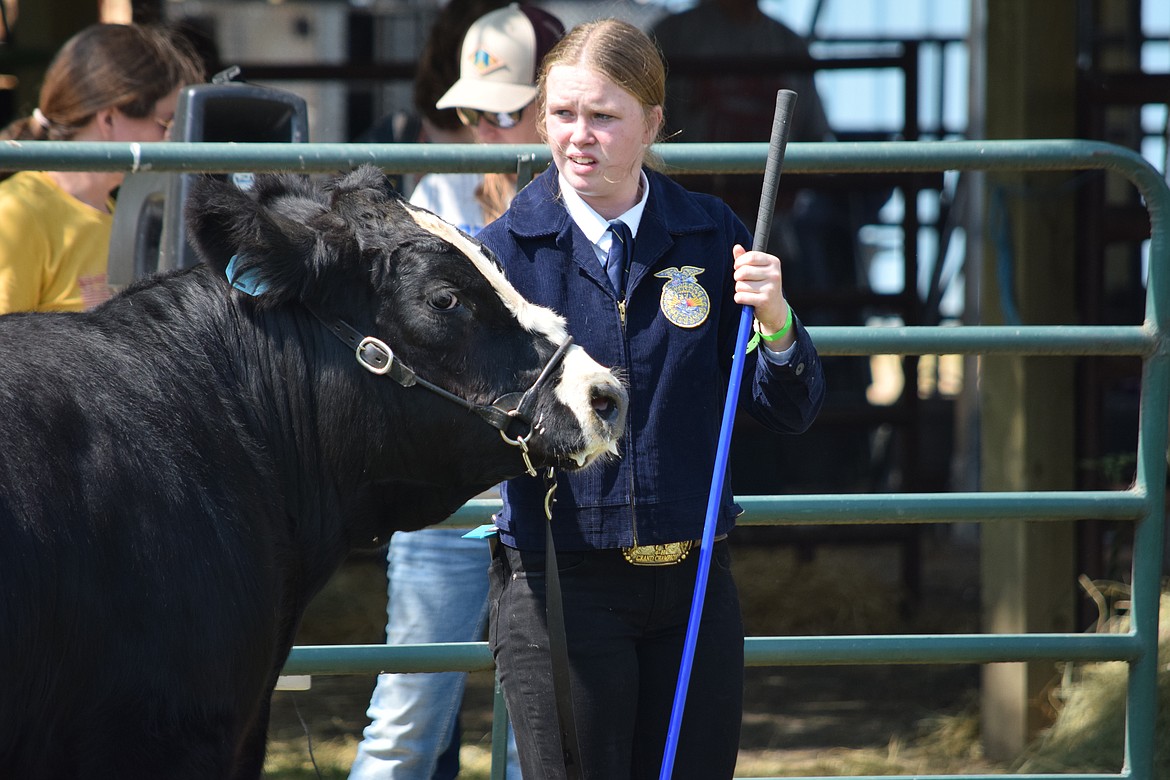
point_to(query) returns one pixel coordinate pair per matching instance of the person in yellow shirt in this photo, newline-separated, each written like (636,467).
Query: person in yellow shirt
(109,82)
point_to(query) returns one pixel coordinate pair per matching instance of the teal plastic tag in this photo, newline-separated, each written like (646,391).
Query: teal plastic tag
(246,282)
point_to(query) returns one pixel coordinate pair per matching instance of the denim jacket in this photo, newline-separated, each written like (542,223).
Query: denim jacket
(656,491)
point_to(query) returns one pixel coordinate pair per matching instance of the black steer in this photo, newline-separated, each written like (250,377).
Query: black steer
(183,468)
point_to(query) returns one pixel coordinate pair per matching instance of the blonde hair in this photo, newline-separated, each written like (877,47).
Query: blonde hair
(129,67)
(623,54)
(495,194)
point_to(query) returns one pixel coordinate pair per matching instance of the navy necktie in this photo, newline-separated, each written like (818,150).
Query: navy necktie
(617,262)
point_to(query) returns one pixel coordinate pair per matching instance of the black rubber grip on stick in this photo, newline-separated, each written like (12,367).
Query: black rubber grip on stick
(781,121)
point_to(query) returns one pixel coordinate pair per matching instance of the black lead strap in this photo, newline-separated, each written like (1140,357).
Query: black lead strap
(558,643)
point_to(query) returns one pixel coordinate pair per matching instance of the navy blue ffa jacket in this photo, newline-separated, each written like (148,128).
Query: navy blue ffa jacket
(675,347)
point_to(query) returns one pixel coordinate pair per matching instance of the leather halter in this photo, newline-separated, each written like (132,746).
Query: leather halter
(510,414)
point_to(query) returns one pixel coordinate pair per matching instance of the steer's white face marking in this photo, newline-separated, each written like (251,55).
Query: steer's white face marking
(580,374)
(536,319)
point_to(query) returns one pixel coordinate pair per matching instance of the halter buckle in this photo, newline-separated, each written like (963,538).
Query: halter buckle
(375,355)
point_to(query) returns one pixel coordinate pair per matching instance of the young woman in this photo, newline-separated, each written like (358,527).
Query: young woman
(625,532)
(109,82)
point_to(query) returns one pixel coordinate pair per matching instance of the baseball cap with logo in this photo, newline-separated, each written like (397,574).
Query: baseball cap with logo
(501,53)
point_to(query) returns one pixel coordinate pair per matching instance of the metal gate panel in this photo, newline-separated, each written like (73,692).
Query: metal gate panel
(1143,503)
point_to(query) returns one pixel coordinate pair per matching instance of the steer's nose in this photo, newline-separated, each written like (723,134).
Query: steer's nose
(609,404)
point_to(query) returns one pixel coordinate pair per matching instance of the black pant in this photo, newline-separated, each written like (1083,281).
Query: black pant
(625,627)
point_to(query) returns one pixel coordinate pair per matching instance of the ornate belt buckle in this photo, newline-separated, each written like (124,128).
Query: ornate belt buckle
(658,554)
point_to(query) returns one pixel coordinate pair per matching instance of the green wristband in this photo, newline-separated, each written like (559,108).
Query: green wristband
(780,333)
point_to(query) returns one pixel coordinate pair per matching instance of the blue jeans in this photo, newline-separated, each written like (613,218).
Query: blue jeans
(437,592)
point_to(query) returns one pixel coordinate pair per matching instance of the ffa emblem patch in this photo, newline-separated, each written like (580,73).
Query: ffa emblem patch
(684,301)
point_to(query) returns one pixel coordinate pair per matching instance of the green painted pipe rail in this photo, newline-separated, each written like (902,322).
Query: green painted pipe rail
(1048,341)
(870,508)
(1091,776)
(748,158)
(1143,503)
(897,649)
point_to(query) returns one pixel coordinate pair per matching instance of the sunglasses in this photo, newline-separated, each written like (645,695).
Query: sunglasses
(504,120)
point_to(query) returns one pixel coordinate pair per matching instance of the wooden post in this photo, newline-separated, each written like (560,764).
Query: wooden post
(1027,569)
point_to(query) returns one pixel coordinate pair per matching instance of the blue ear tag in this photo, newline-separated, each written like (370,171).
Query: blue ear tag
(245,282)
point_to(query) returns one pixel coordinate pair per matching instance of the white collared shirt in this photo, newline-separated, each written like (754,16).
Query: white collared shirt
(596,227)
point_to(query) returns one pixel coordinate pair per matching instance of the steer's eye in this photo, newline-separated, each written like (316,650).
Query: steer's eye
(443,301)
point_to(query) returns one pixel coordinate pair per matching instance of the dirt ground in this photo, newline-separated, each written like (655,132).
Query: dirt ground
(797,720)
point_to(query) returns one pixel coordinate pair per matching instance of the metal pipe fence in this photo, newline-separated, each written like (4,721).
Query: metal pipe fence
(1143,503)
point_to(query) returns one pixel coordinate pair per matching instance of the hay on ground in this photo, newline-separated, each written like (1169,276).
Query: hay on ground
(1089,732)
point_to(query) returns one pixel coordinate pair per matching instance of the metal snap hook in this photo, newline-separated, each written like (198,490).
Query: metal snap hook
(551,479)
(522,443)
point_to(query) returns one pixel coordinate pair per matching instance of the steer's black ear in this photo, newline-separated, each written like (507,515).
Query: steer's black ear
(264,236)
(369,209)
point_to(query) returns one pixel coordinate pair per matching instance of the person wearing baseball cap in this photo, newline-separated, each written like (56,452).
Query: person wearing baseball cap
(498,64)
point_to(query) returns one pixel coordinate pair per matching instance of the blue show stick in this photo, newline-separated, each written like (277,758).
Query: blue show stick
(785,100)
